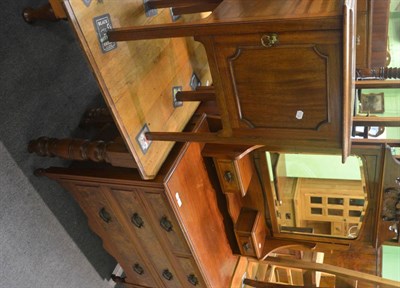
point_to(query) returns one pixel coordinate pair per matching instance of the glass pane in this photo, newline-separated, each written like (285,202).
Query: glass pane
(357,202)
(316,211)
(354,213)
(316,200)
(335,212)
(335,201)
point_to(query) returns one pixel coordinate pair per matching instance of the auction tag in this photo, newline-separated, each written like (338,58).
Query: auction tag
(87,2)
(102,24)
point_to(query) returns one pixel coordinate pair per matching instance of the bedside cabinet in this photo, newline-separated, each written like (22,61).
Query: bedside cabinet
(167,232)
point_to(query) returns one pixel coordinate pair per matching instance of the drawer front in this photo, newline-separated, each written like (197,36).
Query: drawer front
(191,272)
(141,225)
(246,245)
(167,223)
(227,176)
(94,202)
(259,236)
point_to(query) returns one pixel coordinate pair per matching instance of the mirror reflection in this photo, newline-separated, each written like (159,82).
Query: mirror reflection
(317,194)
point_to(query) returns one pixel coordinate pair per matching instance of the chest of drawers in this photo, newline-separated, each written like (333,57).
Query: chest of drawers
(167,232)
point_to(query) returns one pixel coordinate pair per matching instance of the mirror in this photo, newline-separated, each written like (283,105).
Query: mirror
(317,194)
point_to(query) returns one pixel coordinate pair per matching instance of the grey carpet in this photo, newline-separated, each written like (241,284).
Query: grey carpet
(45,85)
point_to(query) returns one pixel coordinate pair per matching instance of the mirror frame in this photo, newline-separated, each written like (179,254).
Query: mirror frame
(372,156)
(276,159)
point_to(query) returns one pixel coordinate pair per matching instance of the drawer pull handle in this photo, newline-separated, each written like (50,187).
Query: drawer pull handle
(104,215)
(138,269)
(228,177)
(166,224)
(137,220)
(193,279)
(167,275)
(246,246)
(269,40)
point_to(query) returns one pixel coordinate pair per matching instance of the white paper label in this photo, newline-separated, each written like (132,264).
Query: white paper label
(299,114)
(178,199)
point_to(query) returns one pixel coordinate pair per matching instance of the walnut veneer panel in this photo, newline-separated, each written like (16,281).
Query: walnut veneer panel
(136,79)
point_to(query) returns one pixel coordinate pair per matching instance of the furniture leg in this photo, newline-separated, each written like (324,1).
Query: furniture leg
(197,95)
(114,153)
(44,12)
(52,11)
(96,117)
(159,31)
(379,73)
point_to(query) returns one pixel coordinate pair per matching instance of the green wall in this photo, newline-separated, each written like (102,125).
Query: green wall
(322,166)
(391,262)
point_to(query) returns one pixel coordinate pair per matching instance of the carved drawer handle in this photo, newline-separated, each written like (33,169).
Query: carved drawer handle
(228,176)
(166,224)
(167,275)
(246,246)
(269,40)
(137,220)
(138,269)
(104,215)
(193,279)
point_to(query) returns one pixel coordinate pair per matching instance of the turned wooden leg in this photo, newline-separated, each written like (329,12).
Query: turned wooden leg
(96,117)
(52,11)
(44,12)
(114,153)
(379,73)
(117,279)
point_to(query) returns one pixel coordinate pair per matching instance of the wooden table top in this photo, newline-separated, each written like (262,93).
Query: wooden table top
(137,78)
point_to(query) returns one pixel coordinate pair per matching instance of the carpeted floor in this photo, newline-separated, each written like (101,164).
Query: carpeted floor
(46,85)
